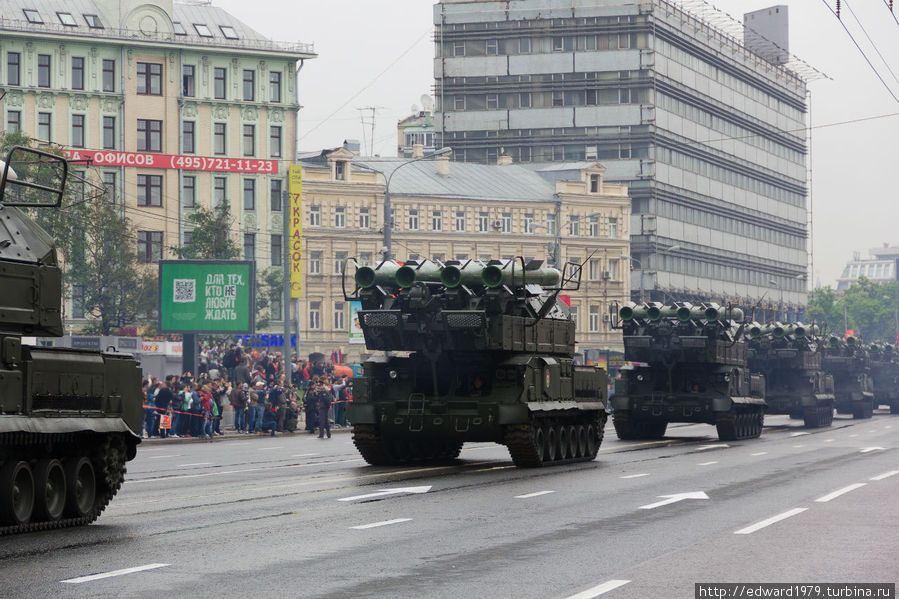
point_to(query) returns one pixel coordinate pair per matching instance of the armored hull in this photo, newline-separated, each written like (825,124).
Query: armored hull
(847,362)
(885,380)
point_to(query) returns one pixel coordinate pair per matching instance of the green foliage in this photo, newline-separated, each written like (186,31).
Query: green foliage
(269,293)
(869,309)
(210,235)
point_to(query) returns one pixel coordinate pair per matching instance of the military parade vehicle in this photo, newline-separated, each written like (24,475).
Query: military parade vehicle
(67,417)
(847,361)
(689,366)
(884,365)
(474,351)
(789,355)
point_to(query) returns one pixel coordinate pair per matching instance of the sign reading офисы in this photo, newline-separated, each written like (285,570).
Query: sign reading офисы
(193,163)
(206,296)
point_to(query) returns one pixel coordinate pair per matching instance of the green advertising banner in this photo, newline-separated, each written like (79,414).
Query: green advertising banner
(207,296)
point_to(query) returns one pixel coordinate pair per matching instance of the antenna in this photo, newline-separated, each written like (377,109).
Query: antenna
(369,121)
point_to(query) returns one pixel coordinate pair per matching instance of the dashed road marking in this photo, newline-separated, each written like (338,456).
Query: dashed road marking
(769,521)
(828,440)
(537,494)
(706,463)
(159,457)
(798,446)
(600,589)
(839,492)
(870,449)
(634,475)
(197,464)
(759,453)
(798,434)
(885,475)
(121,572)
(716,446)
(379,524)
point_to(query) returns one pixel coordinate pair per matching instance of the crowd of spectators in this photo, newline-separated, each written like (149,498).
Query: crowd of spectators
(265,392)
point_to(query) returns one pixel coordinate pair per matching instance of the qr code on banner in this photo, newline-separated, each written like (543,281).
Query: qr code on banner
(185,291)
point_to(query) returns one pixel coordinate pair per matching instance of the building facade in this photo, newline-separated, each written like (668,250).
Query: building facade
(417,129)
(708,136)
(444,211)
(169,106)
(881,267)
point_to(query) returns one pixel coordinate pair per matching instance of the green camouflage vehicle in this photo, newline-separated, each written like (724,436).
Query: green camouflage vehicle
(690,367)
(68,417)
(789,355)
(847,361)
(885,375)
(474,352)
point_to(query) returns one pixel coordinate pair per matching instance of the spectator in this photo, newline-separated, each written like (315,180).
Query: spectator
(321,397)
(240,396)
(165,398)
(270,418)
(149,412)
(242,373)
(231,360)
(339,390)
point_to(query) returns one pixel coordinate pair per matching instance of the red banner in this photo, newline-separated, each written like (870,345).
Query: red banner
(193,163)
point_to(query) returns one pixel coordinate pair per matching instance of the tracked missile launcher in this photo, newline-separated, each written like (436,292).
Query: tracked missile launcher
(847,361)
(68,417)
(473,352)
(690,366)
(884,366)
(790,357)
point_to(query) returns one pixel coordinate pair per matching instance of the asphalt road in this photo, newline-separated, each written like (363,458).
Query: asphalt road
(295,516)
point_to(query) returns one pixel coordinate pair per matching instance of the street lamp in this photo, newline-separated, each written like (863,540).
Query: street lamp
(667,250)
(388,221)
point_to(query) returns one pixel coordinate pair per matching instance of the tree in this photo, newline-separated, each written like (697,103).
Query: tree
(269,293)
(210,235)
(869,309)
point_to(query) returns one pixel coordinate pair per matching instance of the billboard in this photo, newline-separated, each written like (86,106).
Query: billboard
(207,296)
(295,192)
(356,335)
(175,161)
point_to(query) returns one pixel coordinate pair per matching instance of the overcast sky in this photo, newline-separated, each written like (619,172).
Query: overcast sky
(378,53)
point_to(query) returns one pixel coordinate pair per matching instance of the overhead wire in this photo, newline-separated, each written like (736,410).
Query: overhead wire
(889,6)
(865,31)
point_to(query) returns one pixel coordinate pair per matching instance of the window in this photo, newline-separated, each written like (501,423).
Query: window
(594,226)
(613,228)
(219,191)
(275,193)
(77,130)
(67,19)
(492,101)
(202,30)
(249,246)
(249,194)
(189,191)
(315,263)
(274,91)
(149,79)
(32,15)
(594,183)
(13,68)
(492,47)
(594,319)
(339,261)
(149,190)
(228,32)
(437,220)
(110,186)
(528,222)
(188,88)
(613,270)
(595,269)
(315,216)
(249,140)
(459,102)
(339,316)
(365,259)
(179,28)
(77,72)
(413,220)
(13,121)
(93,21)
(573,226)
(460,221)
(524,45)
(43,126)
(275,142)
(108,75)
(506,222)
(218,139)
(315,315)
(108,132)
(458,49)
(187,238)
(364,218)
(149,246)
(187,137)
(340,170)
(149,135)
(550,224)
(574,314)
(277,251)
(249,85)
(43,70)
(340,217)
(220,82)
(77,301)
(482,221)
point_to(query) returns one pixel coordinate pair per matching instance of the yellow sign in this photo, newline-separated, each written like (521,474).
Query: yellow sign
(295,191)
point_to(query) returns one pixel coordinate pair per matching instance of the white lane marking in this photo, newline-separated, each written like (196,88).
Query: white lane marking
(537,494)
(870,449)
(205,474)
(716,446)
(268,448)
(600,589)
(159,457)
(121,572)
(706,463)
(889,426)
(884,475)
(828,440)
(856,435)
(669,499)
(798,434)
(197,464)
(634,475)
(798,446)
(385,492)
(759,453)
(304,455)
(493,468)
(839,492)
(768,522)
(384,523)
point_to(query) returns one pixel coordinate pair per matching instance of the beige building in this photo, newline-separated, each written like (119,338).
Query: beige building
(446,210)
(174,106)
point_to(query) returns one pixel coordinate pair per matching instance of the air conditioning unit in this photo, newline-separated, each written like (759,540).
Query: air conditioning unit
(605,318)
(606,276)
(498,224)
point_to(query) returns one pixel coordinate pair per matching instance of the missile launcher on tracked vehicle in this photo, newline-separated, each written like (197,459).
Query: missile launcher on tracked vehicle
(847,361)
(474,352)
(884,365)
(690,367)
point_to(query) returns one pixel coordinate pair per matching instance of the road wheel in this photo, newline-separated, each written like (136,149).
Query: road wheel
(81,487)
(552,444)
(582,440)
(50,490)
(539,442)
(573,448)
(563,443)
(624,426)
(592,445)
(16,492)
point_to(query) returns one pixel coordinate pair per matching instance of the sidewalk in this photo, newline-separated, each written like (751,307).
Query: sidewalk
(232,435)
